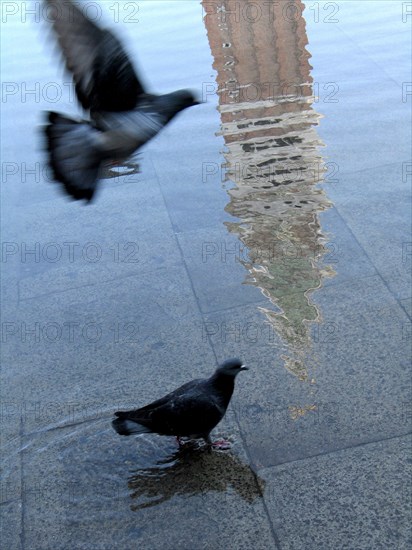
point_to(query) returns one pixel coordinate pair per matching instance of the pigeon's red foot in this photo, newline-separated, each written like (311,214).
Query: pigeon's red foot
(221,445)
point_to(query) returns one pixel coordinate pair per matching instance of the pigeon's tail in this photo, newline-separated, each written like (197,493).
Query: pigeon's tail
(74,155)
(125,426)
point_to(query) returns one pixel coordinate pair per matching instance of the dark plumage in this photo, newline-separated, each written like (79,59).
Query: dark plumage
(123,115)
(192,410)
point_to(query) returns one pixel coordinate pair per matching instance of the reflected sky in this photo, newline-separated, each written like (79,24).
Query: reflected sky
(273,157)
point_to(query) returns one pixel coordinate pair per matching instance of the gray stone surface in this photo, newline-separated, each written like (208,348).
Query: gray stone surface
(120,337)
(356,498)
(382,232)
(192,184)
(77,248)
(346,256)
(360,365)
(11,524)
(213,258)
(315,464)
(140,490)
(407,305)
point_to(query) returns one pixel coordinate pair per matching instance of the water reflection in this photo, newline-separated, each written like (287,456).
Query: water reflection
(116,170)
(193,471)
(272,156)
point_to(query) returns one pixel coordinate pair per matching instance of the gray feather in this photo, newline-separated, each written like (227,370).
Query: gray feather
(192,410)
(123,116)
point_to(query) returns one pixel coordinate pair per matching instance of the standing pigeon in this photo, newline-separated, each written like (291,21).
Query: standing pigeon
(123,115)
(193,410)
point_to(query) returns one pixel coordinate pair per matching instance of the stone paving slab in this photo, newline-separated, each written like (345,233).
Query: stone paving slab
(213,258)
(11,524)
(309,447)
(344,254)
(142,490)
(357,498)
(384,233)
(128,333)
(359,363)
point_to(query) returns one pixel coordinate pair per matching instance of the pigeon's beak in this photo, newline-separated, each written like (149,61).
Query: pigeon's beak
(244,368)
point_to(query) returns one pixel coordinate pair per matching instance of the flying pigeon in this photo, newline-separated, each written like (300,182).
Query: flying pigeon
(192,410)
(123,116)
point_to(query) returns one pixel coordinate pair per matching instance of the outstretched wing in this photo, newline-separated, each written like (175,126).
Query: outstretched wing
(104,77)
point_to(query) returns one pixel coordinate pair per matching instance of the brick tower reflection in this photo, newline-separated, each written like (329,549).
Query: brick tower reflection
(272,157)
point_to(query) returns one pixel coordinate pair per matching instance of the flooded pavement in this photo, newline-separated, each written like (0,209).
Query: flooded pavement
(272,153)
(293,177)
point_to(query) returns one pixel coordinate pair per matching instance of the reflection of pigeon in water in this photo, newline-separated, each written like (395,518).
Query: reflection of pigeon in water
(193,410)
(190,472)
(123,116)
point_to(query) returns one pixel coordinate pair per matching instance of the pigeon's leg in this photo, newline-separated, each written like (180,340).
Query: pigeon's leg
(209,444)
(221,444)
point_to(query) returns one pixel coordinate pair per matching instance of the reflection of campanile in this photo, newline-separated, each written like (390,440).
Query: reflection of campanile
(272,154)
(263,72)
(259,54)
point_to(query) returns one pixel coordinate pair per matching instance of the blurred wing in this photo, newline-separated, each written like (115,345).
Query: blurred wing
(104,77)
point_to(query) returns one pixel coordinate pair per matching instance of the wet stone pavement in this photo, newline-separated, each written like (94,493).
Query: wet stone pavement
(272,222)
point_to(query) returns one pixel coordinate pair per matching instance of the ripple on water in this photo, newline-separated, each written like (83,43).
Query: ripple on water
(86,468)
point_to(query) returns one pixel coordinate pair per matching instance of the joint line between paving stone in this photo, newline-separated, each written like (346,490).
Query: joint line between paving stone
(397,300)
